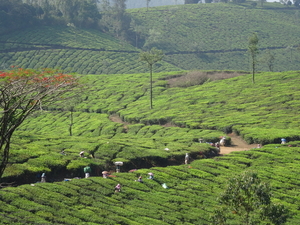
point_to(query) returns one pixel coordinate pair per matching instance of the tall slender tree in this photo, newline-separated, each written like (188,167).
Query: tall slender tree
(253,50)
(147,3)
(151,57)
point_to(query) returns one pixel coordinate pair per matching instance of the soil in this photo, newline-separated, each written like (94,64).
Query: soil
(237,143)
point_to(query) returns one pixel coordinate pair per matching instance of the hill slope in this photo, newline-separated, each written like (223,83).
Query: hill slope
(180,117)
(196,36)
(75,50)
(215,36)
(190,199)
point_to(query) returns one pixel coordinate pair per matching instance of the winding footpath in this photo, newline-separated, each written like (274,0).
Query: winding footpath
(237,143)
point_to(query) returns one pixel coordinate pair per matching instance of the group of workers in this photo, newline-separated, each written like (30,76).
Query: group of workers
(140,179)
(87,169)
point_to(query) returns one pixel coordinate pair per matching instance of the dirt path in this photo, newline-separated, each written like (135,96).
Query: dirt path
(237,143)
(115,118)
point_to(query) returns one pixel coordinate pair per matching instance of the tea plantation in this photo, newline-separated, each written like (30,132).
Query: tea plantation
(190,198)
(84,52)
(110,119)
(199,36)
(263,112)
(152,141)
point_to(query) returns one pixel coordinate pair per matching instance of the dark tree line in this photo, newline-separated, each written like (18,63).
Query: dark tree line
(14,14)
(109,16)
(106,15)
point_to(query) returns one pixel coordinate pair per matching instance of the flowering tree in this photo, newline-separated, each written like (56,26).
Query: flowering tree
(21,92)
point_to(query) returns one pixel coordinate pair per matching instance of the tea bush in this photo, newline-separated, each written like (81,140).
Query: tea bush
(190,198)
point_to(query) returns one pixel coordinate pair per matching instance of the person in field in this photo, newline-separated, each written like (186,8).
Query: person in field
(151,176)
(186,158)
(87,170)
(164,185)
(218,146)
(118,188)
(43,178)
(140,179)
(222,141)
(81,154)
(283,141)
(105,174)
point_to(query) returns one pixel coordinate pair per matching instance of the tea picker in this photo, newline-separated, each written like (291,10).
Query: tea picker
(186,158)
(104,174)
(118,165)
(43,180)
(87,170)
(151,176)
(81,154)
(140,179)
(118,188)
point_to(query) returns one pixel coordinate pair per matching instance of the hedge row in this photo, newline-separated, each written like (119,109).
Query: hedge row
(191,196)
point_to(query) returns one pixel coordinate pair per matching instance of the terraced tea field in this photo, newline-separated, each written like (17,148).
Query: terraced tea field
(191,196)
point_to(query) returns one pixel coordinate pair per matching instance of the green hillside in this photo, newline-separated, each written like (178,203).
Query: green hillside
(190,199)
(148,141)
(251,110)
(111,119)
(180,116)
(215,36)
(81,51)
(193,36)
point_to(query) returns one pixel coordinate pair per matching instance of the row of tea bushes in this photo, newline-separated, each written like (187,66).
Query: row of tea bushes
(183,36)
(225,105)
(191,196)
(64,36)
(83,52)
(40,140)
(80,61)
(200,46)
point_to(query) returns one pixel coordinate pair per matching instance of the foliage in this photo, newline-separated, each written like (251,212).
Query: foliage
(195,35)
(139,137)
(23,91)
(190,199)
(114,19)
(247,197)
(222,105)
(269,59)
(103,142)
(16,15)
(196,32)
(99,53)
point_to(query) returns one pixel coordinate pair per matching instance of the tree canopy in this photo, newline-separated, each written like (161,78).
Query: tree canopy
(247,199)
(21,92)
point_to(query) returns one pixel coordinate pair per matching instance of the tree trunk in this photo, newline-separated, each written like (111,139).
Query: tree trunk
(253,71)
(150,86)
(71,123)
(4,148)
